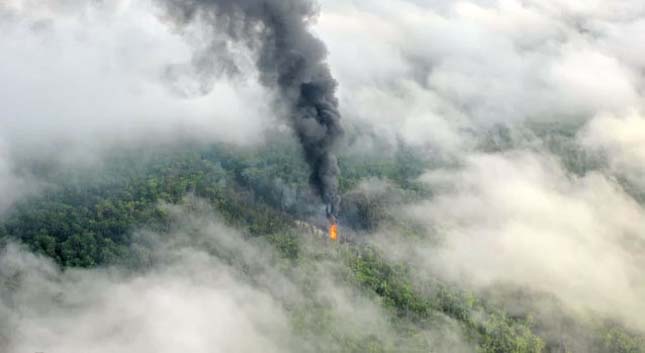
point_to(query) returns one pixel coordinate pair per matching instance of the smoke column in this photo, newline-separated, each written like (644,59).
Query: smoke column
(291,59)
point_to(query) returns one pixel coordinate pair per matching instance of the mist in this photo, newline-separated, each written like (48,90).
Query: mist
(620,140)
(520,218)
(195,305)
(189,299)
(202,286)
(130,76)
(84,80)
(442,71)
(528,116)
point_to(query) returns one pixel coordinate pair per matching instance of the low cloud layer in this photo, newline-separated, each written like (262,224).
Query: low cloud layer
(195,305)
(519,218)
(439,75)
(621,139)
(191,300)
(88,77)
(82,79)
(433,73)
(203,287)
(98,74)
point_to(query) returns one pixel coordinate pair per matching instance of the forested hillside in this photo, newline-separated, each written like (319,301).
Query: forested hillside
(98,217)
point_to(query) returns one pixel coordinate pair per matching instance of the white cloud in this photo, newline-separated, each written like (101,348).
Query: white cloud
(81,79)
(519,218)
(86,77)
(480,62)
(98,73)
(622,139)
(204,288)
(196,305)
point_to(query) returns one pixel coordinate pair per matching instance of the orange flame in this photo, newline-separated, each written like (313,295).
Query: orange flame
(333,232)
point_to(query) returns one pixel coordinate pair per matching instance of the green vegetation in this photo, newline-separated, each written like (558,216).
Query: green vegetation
(88,219)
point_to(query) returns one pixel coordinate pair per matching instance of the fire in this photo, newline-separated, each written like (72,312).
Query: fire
(333,231)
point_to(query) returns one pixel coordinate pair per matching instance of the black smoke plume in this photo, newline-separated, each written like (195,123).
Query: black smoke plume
(290,59)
